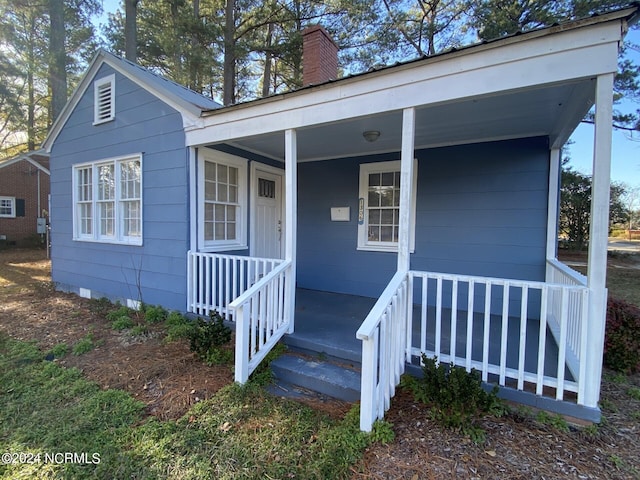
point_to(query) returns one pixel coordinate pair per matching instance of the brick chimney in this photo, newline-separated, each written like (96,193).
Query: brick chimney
(319,56)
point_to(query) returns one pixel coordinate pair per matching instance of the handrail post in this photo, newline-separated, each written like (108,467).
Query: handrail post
(367,384)
(242,347)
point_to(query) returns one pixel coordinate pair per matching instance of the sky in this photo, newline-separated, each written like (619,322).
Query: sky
(625,156)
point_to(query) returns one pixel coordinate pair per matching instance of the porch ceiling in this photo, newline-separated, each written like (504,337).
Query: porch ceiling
(552,111)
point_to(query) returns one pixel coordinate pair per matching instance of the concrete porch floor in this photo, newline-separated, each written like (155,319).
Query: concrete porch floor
(327,322)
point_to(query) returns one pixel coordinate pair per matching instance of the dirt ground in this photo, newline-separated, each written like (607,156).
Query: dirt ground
(169,379)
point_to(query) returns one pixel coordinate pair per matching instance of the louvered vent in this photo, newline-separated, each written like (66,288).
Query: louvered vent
(104,101)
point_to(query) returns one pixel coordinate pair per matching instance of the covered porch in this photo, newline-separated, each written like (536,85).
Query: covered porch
(508,309)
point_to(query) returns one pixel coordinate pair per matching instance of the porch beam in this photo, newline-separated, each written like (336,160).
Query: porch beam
(291,216)
(406,190)
(598,238)
(552,206)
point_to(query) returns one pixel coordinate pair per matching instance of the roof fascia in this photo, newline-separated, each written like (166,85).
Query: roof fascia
(26,158)
(475,72)
(629,15)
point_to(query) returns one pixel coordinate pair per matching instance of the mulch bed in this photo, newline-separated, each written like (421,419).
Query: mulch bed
(169,379)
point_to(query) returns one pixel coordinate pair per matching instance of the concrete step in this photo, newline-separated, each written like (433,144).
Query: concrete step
(340,381)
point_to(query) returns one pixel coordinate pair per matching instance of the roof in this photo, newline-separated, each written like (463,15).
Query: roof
(35,157)
(630,14)
(189,103)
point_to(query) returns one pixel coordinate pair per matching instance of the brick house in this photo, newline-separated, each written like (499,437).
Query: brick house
(24,196)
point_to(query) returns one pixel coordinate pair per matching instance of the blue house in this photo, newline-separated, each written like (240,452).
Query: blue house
(427,191)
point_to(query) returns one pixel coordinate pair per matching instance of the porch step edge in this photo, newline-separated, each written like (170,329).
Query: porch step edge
(312,346)
(319,376)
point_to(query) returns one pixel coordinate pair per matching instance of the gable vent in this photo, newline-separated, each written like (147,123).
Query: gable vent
(104,99)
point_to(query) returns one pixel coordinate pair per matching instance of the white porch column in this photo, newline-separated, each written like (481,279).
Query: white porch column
(552,207)
(598,238)
(291,216)
(406,190)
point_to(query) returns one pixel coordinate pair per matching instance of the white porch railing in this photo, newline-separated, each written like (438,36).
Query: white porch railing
(496,326)
(215,280)
(384,339)
(263,315)
(577,304)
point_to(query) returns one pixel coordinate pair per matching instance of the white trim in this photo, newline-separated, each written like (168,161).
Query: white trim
(255,168)
(207,154)
(118,237)
(598,237)
(552,203)
(390,166)
(543,59)
(192,159)
(291,219)
(13,207)
(98,84)
(406,233)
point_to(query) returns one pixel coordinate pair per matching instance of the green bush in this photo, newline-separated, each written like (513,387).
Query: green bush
(207,337)
(122,311)
(154,314)
(455,396)
(622,336)
(84,345)
(122,323)
(177,327)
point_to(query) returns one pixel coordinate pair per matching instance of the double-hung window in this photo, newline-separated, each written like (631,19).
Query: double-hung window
(223,201)
(7,207)
(108,201)
(379,208)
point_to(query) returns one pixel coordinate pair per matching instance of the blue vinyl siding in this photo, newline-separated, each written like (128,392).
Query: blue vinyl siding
(481,210)
(143,124)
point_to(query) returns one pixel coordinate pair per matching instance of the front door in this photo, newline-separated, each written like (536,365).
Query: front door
(268,226)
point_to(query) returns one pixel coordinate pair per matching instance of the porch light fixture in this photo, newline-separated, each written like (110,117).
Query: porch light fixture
(371,135)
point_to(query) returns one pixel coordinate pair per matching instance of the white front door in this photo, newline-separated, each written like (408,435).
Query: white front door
(267,232)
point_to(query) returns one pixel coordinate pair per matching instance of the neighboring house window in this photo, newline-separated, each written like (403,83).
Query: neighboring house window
(223,200)
(8,207)
(379,218)
(104,108)
(108,201)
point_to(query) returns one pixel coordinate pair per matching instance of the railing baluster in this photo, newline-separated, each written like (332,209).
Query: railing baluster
(470,307)
(522,345)
(505,327)
(562,347)
(454,320)
(485,338)
(424,310)
(438,316)
(208,284)
(542,340)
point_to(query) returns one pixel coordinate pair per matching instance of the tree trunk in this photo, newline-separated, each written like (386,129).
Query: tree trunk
(229,74)
(57,62)
(268,56)
(130,30)
(195,81)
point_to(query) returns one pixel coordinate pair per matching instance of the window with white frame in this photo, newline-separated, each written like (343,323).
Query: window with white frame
(104,97)
(7,207)
(223,201)
(379,209)
(108,201)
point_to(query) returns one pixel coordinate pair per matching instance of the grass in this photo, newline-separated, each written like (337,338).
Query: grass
(242,432)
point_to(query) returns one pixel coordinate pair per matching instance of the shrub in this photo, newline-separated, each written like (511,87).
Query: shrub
(122,323)
(622,336)
(122,311)
(207,337)
(84,345)
(177,327)
(455,396)
(154,314)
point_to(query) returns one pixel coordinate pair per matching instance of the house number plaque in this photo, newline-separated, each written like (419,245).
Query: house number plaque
(360,211)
